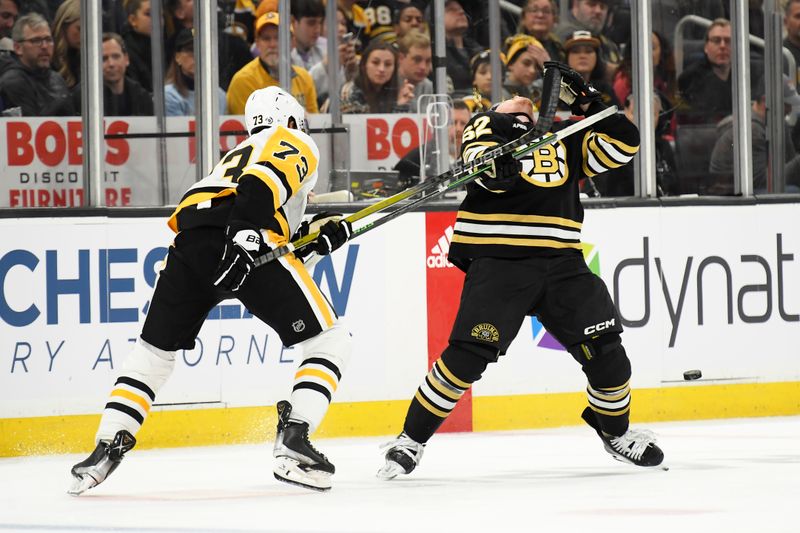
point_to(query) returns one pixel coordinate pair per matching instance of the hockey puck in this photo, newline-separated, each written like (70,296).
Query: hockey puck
(691,375)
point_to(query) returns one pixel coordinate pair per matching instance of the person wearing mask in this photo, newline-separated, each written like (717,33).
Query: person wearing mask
(28,82)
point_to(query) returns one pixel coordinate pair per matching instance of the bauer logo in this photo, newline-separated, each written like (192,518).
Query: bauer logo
(541,336)
(437,257)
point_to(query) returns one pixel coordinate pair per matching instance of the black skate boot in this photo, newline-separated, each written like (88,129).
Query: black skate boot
(403,454)
(298,462)
(637,447)
(105,458)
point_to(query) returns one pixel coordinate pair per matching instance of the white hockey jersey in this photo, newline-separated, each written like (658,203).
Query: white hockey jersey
(285,160)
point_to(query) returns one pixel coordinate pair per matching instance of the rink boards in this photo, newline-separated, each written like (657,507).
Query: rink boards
(715,288)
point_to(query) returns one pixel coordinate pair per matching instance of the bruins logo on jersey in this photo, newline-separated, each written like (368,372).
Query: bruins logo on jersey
(485,332)
(547,166)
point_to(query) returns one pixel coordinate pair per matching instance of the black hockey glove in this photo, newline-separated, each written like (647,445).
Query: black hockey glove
(332,235)
(243,241)
(503,173)
(575,91)
(308,254)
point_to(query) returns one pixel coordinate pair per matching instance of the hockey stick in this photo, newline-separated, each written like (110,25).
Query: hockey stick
(444,184)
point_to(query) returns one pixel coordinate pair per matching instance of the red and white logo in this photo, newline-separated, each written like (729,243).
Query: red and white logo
(438,254)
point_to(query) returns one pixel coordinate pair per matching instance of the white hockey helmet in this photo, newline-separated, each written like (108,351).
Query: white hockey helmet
(272,106)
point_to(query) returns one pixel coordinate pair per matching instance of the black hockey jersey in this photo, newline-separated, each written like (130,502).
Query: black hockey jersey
(542,212)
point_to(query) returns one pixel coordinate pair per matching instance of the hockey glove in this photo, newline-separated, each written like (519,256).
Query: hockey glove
(332,235)
(242,243)
(575,91)
(308,254)
(503,173)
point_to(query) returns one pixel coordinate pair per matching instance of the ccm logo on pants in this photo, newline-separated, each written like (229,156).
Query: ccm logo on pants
(598,327)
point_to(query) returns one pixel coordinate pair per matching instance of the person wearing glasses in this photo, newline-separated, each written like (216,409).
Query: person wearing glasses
(539,18)
(705,87)
(29,83)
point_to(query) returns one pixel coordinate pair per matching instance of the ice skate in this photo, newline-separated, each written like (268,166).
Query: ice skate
(297,462)
(636,446)
(105,458)
(403,454)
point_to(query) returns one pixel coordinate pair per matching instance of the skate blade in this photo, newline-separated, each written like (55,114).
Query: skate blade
(81,485)
(289,471)
(390,471)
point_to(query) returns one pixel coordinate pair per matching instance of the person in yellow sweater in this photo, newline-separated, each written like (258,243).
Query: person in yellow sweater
(263,71)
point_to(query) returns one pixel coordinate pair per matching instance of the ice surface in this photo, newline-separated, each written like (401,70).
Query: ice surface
(731,475)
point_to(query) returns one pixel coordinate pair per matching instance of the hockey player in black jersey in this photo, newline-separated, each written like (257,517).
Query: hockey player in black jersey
(517,237)
(251,202)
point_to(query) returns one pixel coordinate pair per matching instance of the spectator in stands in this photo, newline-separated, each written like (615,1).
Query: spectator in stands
(791,22)
(619,182)
(590,15)
(583,55)
(263,71)
(67,36)
(136,33)
(233,51)
(409,17)
(539,18)
(9,11)
(705,86)
(28,82)
(308,17)
(348,64)
(525,59)
(481,68)
(459,47)
(179,91)
(414,60)
(375,87)
(122,96)
(357,22)
(663,71)
(408,167)
(722,162)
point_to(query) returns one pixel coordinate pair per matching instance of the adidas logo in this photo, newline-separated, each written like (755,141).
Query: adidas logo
(438,255)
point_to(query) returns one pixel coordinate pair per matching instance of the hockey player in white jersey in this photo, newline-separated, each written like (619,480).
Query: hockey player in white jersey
(251,202)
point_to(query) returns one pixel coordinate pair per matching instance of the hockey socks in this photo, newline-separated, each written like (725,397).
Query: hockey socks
(434,401)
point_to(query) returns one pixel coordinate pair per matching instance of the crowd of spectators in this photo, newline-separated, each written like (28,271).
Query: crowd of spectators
(385,55)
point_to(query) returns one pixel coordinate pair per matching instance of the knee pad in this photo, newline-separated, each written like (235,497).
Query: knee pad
(148,364)
(334,344)
(604,361)
(466,362)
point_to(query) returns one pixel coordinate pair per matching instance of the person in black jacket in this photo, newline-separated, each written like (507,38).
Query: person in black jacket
(122,96)
(136,34)
(28,82)
(518,238)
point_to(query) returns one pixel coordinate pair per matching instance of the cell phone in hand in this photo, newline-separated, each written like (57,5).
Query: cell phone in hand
(347,37)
